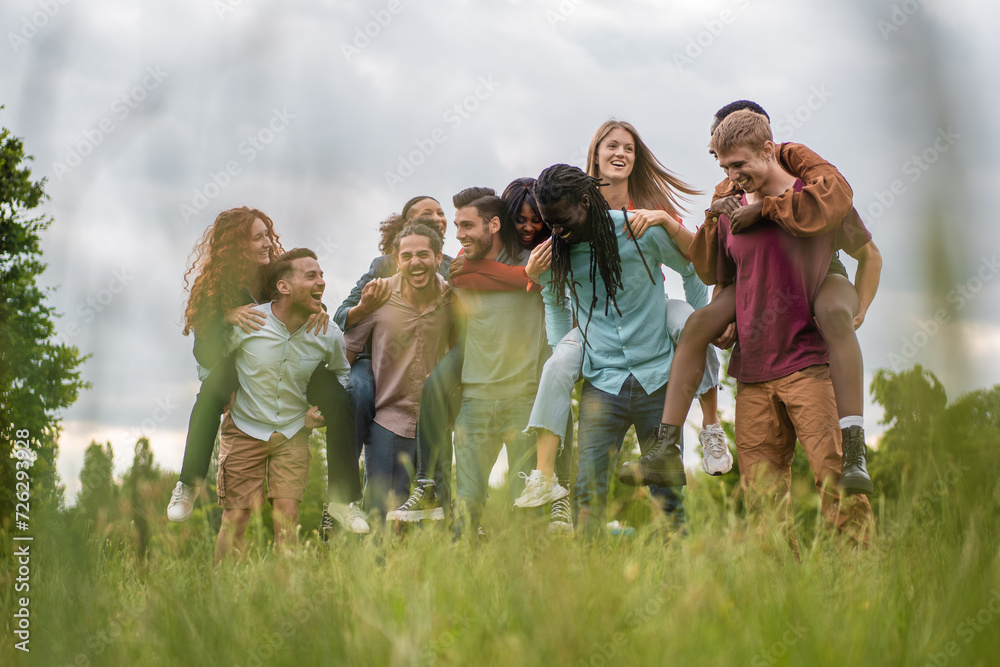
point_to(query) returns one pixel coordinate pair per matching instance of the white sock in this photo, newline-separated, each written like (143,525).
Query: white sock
(848,422)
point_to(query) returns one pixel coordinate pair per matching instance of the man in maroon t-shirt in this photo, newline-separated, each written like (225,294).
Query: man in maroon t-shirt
(781,362)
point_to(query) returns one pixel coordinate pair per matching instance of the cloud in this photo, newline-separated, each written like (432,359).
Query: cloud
(323,177)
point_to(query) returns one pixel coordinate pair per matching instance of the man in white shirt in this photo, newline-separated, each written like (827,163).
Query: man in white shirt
(266,432)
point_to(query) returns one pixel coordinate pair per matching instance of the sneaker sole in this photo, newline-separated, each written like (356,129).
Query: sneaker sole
(436,514)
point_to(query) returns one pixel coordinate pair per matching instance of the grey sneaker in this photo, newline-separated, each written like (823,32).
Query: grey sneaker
(561,517)
(716,458)
(181,503)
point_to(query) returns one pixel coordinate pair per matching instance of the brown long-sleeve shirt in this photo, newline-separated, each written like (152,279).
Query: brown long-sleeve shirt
(817,209)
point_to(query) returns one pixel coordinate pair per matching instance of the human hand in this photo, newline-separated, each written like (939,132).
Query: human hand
(457,266)
(314,419)
(539,261)
(727,339)
(317,320)
(642,219)
(374,295)
(745,216)
(725,206)
(860,318)
(246,318)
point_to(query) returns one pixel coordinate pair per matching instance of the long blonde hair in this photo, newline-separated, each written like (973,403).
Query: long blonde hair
(650,185)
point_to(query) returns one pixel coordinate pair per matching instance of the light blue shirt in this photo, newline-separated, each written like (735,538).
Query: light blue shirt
(635,342)
(274,368)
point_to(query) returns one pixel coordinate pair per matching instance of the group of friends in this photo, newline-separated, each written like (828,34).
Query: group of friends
(433,359)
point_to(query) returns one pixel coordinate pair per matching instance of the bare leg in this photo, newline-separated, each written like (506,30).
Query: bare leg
(234,525)
(835,306)
(709,407)
(688,366)
(548,447)
(286,519)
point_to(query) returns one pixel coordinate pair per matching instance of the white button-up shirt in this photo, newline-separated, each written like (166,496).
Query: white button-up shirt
(274,368)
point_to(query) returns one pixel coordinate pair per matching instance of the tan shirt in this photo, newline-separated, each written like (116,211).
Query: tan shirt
(406,345)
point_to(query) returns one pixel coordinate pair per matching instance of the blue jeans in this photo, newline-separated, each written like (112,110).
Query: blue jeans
(481,429)
(388,462)
(361,388)
(604,420)
(562,370)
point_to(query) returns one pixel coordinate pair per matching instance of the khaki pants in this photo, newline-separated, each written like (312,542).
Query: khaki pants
(244,461)
(769,416)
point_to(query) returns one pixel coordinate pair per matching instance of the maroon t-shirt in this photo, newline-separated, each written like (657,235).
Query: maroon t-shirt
(777,276)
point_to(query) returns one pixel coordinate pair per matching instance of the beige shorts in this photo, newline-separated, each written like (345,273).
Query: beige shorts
(245,462)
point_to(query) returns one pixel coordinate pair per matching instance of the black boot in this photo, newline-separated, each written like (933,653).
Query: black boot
(854,477)
(662,464)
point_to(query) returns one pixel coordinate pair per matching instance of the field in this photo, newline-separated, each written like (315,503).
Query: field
(726,593)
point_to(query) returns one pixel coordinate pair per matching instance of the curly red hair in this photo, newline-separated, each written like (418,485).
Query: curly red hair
(221,263)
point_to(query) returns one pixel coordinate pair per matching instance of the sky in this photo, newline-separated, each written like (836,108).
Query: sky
(148,119)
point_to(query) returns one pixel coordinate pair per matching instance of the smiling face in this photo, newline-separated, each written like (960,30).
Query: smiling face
(528,225)
(303,286)
(259,245)
(476,235)
(429,208)
(417,261)
(746,167)
(568,220)
(616,155)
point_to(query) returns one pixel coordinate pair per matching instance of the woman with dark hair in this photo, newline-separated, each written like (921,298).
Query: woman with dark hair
(227,266)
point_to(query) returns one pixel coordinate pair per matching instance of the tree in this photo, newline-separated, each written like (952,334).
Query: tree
(38,376)
(99,493)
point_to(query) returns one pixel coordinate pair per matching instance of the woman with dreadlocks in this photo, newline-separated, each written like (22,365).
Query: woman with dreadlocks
(625,363)
(228,279)
(632,179)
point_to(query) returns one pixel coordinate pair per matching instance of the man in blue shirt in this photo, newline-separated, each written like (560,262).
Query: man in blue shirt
(627,352)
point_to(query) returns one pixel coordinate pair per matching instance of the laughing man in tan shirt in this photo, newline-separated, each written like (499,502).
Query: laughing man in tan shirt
(410,332)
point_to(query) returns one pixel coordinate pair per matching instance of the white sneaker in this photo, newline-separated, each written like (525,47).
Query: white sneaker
(539,490)
(350,517)
(181,503)
(716,458)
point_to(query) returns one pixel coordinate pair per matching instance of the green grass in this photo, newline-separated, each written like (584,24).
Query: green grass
(717,596)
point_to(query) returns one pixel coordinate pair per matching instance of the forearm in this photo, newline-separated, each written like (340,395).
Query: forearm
(354,315)
(821,204)
(866,279)
(682,237)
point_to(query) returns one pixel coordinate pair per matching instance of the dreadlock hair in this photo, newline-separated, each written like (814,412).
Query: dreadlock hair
(565,182)
(519,192)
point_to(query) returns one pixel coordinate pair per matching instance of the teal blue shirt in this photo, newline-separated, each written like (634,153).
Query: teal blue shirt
(635,342)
